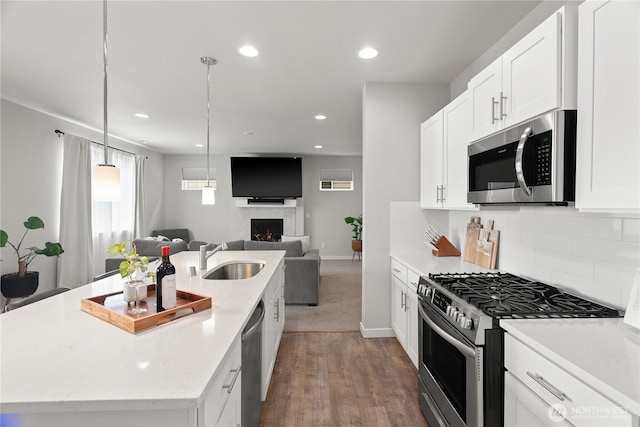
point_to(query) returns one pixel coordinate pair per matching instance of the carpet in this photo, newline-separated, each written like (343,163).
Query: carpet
(339,306)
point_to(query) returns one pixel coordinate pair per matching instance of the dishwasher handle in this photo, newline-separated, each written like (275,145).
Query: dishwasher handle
(252,329)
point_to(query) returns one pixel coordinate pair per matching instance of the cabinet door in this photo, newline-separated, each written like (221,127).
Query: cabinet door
(523,408)
(231,415)
(398,314)
(484,90)
(412,327)
(431,162)
(268,331)
(531,73)
(457,136)
(608,151)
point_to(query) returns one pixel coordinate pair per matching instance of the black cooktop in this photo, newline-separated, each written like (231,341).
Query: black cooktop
(504,295)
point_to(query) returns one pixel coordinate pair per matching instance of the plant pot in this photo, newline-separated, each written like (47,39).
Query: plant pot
(14,286)
(356,245)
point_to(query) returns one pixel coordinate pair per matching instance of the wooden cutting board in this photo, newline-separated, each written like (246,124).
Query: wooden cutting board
(494,237)
(484,248)
(471,241)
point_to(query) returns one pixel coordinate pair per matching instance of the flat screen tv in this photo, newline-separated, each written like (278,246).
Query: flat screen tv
(266,177)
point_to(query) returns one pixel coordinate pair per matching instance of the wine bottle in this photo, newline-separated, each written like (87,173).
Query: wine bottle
(166,287)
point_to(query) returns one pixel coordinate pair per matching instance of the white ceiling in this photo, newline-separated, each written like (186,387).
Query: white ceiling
(308,64)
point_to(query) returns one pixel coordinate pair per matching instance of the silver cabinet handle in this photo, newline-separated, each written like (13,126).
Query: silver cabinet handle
(402,300)
(229,387)
(547,386)
(437,194)
(518,165)
(502,99)
(276,314)
(442,198)
(406,302)
(493,110)
(396,270)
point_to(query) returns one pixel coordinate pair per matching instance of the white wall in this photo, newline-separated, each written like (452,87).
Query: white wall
(322,212)
(325,210)
(392,114)
(31,179)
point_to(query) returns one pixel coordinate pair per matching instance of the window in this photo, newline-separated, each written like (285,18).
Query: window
(196,178)
(113,222)
(336,180)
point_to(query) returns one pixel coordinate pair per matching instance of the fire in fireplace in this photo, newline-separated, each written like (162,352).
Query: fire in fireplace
(268,230)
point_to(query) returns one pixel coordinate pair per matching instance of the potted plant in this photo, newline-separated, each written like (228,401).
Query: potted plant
(356,224)
(134,268)
(24,283)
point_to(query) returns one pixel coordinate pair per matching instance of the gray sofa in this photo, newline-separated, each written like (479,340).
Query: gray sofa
(152,248)
(302,270)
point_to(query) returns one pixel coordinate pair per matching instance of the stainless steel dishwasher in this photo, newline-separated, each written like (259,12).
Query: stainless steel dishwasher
(252,368)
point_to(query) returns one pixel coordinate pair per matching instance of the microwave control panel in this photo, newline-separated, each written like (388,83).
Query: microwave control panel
(543,159)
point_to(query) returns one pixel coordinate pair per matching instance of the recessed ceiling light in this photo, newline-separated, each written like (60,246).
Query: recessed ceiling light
(317,146)
(320,117)
(145,142)
(248,51)
(248,133)
(199,145)
(142,115)
(368,53)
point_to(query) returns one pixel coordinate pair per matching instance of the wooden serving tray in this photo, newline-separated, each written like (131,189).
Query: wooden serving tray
(113,309)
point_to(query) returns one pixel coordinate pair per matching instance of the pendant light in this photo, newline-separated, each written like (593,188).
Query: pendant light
(208,192)
(106,177)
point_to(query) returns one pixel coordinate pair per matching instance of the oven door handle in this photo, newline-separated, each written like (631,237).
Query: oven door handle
(519,153)
(465,349)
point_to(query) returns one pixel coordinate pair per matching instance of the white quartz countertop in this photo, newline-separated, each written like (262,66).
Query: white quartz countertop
(602,353)
(55,357)
(420,260)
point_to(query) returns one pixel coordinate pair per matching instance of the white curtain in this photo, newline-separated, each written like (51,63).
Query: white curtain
(113,222)
(140,225)
(75,266)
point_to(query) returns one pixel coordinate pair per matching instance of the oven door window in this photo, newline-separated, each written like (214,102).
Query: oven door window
(448,367)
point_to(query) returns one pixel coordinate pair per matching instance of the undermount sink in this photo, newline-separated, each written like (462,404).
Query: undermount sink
(234,270)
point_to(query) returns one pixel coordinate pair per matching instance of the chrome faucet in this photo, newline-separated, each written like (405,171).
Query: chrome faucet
(204,255)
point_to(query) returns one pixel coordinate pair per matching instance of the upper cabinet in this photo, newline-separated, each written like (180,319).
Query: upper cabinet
(535,76)
(608,150)
(444,139)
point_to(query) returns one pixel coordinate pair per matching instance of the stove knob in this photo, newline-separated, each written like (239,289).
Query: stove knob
(461,320)
(449,309)
(455,313)
(427,293)
(466,323)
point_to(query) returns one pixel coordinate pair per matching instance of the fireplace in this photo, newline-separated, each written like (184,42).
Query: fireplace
(268,230)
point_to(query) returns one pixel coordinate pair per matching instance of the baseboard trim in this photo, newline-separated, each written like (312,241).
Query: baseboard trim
(376,332)
(337,257)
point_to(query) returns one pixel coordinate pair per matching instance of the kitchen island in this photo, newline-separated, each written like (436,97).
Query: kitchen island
(62,366)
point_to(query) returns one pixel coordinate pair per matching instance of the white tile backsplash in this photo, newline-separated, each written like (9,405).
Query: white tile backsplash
(593,254)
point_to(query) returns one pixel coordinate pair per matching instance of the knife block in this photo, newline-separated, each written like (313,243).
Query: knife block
(445,248)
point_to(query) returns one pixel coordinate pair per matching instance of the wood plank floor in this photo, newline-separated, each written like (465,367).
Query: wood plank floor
(341,379)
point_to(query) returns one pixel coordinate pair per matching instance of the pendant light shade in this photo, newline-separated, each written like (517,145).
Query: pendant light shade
(105,179)
(208,192)
(105,183)
(208,195)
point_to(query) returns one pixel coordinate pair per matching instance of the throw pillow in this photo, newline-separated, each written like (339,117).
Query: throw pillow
(163,238)
(306,241)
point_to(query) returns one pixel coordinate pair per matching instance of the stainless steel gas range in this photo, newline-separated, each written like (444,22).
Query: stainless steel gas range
(461,369)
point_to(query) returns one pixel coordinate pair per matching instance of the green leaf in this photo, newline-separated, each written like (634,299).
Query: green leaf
(124,269)
(33,223)
(118,248)
(50,249)
(4,238)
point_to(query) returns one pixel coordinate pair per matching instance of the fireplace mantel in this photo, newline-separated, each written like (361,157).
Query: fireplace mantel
(288,203)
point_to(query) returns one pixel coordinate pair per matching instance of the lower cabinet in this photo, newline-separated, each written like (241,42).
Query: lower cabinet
(222,403)
(404,308)
(273,325)
(540,393)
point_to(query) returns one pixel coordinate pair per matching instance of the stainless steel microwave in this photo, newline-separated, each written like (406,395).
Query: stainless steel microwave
(534,162)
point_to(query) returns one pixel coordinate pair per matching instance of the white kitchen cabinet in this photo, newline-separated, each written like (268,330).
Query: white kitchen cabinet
(273,325)
(534,76)
(222,403)
(431,161)
(444,171)
(404,308)
(540,393)
(608,149)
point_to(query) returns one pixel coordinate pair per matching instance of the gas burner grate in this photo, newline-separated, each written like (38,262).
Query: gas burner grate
(504,295)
